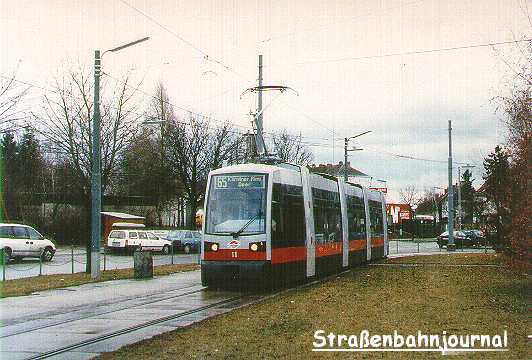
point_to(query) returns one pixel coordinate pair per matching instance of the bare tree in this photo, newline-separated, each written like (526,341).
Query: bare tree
(11,94)
(410,195)
(291,148)
(65,121)
(147,156)
(193,149)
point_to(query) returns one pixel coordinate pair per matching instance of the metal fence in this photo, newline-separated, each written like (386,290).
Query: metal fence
(428,246)
(74,260)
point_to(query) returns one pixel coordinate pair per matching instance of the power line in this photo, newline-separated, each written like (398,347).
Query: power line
(132,112)
(308,117)
(168,102)
(205,55)
(273,38)
(295,137)
(417,52)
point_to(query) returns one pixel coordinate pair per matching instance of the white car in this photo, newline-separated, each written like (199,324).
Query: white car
(130,240)
(20,241)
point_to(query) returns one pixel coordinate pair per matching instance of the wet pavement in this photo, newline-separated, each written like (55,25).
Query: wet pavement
(83,321)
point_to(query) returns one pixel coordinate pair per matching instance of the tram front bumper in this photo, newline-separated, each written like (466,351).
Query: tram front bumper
(233,271)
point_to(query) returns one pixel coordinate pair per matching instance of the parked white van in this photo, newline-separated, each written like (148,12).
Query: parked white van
(20,241)
(128,240)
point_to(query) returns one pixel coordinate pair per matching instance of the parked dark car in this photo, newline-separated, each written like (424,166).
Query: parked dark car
(461,239)
(477,237)
(187,241)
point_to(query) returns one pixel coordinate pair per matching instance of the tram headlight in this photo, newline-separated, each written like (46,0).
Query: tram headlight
(257,246)
(210,246)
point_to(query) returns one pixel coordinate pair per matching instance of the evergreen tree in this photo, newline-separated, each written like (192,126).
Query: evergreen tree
(9,176)
(468,197)
(497,186)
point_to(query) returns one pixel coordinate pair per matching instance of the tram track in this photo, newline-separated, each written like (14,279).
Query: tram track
(124,305)
(239,301)
(131,329)
(226,304)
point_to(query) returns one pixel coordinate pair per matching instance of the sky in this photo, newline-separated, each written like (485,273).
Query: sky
(345,59)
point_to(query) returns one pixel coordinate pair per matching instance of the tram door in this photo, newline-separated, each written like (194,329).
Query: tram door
(309,219)
(345,227)
(368,225)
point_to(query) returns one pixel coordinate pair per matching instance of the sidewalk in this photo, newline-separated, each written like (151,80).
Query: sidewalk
(55,319)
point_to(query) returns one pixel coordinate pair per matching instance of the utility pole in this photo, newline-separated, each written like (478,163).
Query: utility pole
(450,197)
(459,217)
(346,150)
(96,183)
(259,95)
(346,141)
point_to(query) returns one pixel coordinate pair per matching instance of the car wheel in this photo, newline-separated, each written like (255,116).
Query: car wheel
(166,250)
(47,254)
(7,252)
(187,249)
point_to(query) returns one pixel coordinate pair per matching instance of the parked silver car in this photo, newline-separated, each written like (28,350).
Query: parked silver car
(19,241)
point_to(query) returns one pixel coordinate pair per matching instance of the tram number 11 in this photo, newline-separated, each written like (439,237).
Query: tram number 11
(234,254)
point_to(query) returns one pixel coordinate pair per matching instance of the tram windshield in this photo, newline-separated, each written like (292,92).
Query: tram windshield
(236,204)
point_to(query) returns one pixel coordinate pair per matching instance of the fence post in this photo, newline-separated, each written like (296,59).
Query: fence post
(172,247)
(397,245)
(3,264)
(40,262)
(72,257)
(104,259)
(418,245)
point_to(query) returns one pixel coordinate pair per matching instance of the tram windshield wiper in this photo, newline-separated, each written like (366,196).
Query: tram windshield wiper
(236,234)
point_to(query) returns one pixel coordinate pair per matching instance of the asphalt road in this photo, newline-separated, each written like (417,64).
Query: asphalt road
(64,263)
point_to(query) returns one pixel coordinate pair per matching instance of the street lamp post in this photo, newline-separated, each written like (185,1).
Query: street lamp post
(460,194)
(450,196)
(346,150)
(96,178)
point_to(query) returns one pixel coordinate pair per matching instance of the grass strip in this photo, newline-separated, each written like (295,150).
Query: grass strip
(26,286)
(473,300)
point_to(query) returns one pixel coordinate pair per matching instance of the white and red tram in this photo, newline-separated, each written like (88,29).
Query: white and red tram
(276,224)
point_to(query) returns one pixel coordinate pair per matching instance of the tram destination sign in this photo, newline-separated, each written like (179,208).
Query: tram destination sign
(239,182)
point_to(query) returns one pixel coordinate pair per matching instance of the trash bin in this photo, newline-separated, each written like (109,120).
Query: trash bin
(143,264)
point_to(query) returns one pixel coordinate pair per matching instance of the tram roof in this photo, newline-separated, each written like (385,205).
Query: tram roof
(252,167)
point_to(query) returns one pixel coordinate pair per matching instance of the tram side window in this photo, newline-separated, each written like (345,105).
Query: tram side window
(356,218)
(288,216)
(377,226)
(327,216)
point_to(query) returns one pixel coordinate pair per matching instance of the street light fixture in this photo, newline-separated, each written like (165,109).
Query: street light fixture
(346,150)
(460,193)
(96,179)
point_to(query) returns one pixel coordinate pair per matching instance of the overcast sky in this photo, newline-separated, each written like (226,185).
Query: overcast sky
(206,53)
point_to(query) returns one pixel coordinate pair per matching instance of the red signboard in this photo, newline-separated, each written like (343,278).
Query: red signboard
(404,215)
(398,212)
(382,190)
